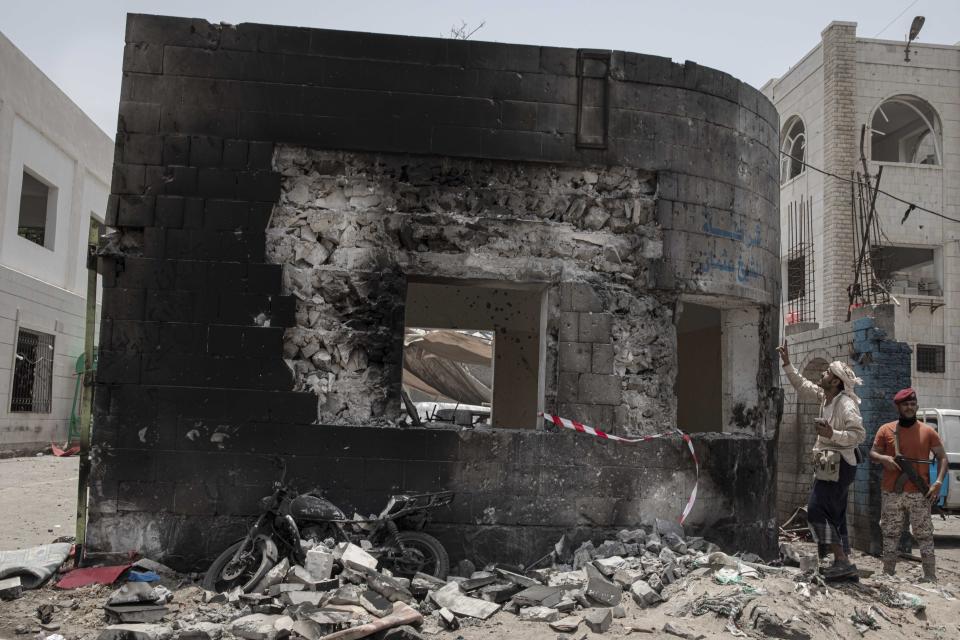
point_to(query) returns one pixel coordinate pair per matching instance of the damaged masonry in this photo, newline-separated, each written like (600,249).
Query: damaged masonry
(294,204)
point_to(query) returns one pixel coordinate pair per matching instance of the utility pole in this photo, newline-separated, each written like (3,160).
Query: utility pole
(86,397)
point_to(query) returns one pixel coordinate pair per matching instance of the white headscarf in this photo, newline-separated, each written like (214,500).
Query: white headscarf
(848,377)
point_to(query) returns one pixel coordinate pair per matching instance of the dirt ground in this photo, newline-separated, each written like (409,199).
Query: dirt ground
(38,500)
(39,493)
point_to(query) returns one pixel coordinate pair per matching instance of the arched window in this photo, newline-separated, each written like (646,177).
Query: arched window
(814,369)
(793,146)
(906,129)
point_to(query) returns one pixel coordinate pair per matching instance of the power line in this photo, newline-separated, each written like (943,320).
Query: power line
(912,205)
(910,6)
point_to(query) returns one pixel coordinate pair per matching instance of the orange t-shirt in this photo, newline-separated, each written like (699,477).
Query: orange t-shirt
(915,442)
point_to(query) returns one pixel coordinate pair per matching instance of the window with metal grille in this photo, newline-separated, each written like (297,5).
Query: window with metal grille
(32,373)
(931,358)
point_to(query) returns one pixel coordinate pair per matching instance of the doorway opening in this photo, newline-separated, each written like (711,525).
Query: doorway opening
(699,385)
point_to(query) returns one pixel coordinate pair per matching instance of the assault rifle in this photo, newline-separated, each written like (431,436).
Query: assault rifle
(909,472)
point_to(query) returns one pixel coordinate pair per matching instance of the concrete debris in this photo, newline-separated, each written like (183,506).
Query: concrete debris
(568,624)
(256,626)
(600,589)
(389,587)
(358,601)
(11,588)
(599,620)
(284,587)
(448,619)
(626,577)
(516,578)
(201,631)
(295,598)
(500,593)
(319,564)
(403,632)
(353,556)
(478,580)
(452,598)
(139,632)
(644,595)
(609,566)
(538,614)
(375,603)
(674,630)
(133,613)
(538,595)
(584,555)
(274,576)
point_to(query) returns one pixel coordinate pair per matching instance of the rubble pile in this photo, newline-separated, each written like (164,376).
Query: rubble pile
(653,580)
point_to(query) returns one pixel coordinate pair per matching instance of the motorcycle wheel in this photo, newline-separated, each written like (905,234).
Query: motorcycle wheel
(263,558)
(427,552)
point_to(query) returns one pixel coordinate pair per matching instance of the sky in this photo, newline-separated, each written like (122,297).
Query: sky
(79,45)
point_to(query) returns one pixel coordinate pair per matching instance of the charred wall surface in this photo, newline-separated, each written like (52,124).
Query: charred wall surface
(275,189)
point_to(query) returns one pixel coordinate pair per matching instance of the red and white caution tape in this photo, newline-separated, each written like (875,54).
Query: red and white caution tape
(582,428)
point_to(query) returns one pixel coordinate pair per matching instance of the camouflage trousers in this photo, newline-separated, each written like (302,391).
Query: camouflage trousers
(916,508)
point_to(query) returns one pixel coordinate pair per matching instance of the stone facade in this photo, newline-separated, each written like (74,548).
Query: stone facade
(281,192)
(835,89)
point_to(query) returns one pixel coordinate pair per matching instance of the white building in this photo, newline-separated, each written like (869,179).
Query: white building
(911,111)
(55,168)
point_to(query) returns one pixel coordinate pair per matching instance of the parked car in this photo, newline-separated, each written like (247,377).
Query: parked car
(947,424)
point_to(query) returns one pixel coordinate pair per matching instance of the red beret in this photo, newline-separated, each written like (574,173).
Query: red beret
(904,395)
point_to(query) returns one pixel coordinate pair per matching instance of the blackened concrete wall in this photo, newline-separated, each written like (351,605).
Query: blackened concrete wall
(192,389)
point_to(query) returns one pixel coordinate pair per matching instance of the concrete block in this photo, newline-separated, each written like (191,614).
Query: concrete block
(319,564)
(601,589)
(579,296)
(602,361)
(595,327)
(599,620)
(575,356)
(600,389)
(567,386)
(569,326)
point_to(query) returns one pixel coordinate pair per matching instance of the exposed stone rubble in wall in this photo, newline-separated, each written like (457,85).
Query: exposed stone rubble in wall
(351,228)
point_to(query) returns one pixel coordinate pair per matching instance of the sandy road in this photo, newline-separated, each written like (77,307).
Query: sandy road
(38,500)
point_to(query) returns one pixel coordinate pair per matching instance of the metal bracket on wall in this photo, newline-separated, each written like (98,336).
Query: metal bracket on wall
(593,71)
(925,303)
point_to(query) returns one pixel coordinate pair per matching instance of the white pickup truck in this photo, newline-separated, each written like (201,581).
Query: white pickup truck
(947,424)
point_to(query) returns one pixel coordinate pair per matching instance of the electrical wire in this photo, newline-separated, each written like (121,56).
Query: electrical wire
(912,205)
(910,6)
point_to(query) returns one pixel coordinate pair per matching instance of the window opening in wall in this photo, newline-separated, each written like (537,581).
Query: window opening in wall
(906,129)
(448,374)
(931,358)
(699,383)
(801,295)
(907,270)
(794,146)
(38,204)
(472,353)
(32,373)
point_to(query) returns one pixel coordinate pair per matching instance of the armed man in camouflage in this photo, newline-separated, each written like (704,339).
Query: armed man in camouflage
(903,448)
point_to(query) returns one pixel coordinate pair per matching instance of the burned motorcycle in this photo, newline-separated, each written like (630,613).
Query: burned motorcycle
(395,537)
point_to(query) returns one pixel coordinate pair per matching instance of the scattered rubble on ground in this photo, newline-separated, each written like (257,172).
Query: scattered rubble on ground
(653,582)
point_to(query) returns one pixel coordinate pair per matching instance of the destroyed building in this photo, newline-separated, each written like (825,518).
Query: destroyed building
(291,203)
